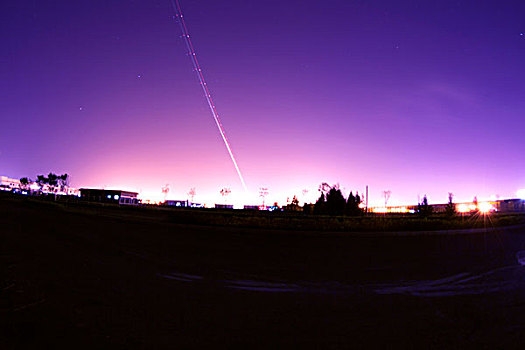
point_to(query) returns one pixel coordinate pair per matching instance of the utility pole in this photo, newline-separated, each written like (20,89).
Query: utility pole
(366,204)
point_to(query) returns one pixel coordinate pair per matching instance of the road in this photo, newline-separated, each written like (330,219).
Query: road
(72,278)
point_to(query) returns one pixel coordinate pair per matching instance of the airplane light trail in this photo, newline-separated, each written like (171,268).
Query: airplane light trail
(204,85)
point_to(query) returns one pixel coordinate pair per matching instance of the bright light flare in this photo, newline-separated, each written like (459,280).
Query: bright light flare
(462,208)
(485,207)
(521,193)
(383,210)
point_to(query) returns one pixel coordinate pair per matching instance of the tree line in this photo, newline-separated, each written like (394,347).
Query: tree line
(332,202)
(53,181)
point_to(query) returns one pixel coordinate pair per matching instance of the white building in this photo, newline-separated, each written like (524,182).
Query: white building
(8,184)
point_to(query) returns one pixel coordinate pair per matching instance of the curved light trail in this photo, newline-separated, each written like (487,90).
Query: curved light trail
(204,85)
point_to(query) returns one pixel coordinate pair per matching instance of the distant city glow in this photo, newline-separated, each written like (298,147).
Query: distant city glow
(382,210)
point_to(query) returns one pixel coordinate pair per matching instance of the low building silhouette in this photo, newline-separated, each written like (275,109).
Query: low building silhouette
(109,196)
(177,203)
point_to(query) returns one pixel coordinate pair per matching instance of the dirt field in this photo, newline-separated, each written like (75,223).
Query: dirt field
(119,279)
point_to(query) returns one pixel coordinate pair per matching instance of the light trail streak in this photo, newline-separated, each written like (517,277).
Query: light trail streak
(204,85)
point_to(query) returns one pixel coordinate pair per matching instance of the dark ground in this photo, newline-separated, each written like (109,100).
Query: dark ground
(75,279)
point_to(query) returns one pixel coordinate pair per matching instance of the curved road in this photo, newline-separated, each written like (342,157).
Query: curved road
(111,279)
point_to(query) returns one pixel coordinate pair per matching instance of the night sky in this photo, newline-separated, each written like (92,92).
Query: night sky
(416,97)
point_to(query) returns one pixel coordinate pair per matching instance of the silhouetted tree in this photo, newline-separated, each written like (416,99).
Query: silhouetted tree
(308,208)
(41,180)
(423,209)
(325,188)
(352,205)
(25,182)
(320,205)
(52,181)
(263,192)
(225,192)
(293,206)
(358,200)
(450,210)
(165,190)
(335,202)
(192,193)
(64,181)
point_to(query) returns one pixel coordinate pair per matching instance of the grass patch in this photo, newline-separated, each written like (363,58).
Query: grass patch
(273,220)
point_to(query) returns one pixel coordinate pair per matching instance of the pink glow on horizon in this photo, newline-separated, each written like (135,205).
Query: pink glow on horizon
(399,97)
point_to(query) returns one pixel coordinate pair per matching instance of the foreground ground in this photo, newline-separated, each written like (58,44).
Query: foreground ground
(73,278)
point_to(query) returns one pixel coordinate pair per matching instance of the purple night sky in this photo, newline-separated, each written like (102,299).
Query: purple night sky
(416,97)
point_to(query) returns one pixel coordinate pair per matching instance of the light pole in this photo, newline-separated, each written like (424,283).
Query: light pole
(225,192)
(263,192)
(386,194)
